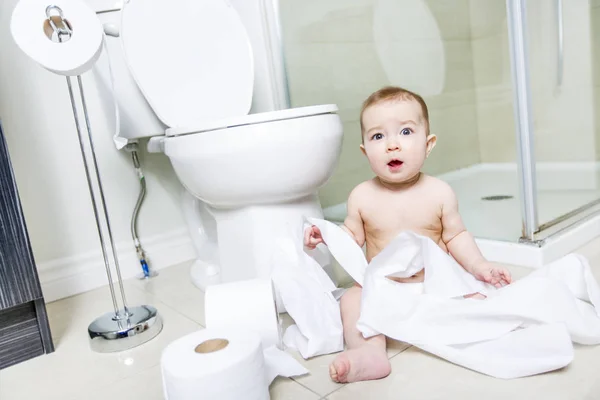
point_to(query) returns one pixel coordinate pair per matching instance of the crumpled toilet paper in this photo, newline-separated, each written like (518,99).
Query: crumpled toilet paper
(307,293)
(249,306)
(522,329)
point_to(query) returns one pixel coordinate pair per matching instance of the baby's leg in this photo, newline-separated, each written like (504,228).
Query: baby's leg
(365,359)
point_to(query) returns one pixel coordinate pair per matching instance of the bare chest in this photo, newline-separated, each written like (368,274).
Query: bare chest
(385,219)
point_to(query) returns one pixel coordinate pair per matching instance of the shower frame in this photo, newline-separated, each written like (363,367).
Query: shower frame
(533,232)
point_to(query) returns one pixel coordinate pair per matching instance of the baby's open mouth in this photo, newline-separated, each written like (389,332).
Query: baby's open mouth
(395,163)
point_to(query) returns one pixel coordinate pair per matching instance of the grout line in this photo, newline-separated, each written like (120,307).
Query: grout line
(332,392)
(401,351)
(304,386)
(318,394)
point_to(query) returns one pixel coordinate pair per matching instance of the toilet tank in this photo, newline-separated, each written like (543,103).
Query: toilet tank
(137,120)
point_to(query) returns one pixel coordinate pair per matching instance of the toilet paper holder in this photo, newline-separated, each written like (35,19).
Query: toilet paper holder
(130,326)
(65,29)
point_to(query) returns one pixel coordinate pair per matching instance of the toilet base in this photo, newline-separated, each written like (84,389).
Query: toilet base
(204,274)
(248,242)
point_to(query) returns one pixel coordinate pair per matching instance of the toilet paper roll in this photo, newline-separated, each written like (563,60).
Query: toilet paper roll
(247,305)
(215,364)
(33,33)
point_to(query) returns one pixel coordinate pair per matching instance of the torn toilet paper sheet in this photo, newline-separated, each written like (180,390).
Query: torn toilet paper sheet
(522,329)
(307,293)
(249,306)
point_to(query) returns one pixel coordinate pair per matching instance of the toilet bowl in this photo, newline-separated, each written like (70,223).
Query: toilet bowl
(249,179)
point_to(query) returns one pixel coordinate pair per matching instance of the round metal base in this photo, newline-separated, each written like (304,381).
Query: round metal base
(110,333)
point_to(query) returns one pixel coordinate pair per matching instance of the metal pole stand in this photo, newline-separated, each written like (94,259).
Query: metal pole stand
(128,327)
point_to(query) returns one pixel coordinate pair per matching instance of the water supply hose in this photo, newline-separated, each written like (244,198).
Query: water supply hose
(134,234)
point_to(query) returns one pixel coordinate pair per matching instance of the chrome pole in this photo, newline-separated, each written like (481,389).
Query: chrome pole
(102,198)
(93,198)
(517,33)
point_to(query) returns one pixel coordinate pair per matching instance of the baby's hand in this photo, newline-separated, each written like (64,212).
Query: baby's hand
(312,237)
(493,274)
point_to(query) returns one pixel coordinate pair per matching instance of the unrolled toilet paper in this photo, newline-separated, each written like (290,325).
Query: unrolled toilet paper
(33,33)
(215,364)
(246,304)
(307,293)
(521,329)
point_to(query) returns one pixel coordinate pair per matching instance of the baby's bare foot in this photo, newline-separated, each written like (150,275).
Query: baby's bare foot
(361,364)
(476,296)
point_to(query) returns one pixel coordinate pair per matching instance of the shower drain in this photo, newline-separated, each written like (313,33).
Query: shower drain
(497,197)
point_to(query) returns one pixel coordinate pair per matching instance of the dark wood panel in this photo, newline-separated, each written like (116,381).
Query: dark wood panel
(20,337)
(44,325)
(19,281)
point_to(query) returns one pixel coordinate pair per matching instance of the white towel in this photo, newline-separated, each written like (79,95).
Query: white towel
(522,329)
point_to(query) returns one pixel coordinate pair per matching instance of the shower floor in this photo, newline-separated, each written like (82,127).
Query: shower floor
(562,187)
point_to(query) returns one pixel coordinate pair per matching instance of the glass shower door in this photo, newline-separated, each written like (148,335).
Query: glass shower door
(557,82)
(565,108)
(454,53)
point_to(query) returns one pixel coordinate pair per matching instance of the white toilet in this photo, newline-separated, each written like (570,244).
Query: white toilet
(250,178)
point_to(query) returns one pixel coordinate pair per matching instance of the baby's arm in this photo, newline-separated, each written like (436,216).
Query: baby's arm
(462,246)
(459,242)
(353,224)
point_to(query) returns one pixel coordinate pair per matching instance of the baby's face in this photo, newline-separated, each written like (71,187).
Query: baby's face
(395,140)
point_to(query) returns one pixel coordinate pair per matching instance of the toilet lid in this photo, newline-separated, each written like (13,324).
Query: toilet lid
(191,59)
(270,116)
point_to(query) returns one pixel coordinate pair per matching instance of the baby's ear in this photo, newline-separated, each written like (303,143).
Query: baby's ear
(362,148)
(431,141)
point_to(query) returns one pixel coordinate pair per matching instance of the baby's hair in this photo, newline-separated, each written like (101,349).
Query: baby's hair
(393,93)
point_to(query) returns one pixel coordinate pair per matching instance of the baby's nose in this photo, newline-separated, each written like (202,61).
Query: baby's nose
(393,146)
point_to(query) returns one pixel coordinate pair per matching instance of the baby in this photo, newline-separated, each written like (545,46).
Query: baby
(396,141)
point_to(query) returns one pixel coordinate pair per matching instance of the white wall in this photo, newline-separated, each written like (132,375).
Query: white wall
(340,51)
(38,124)
(564,117)
(334,54)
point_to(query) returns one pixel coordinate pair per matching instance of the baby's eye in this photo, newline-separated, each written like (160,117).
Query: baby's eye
(406,131)
(377,136)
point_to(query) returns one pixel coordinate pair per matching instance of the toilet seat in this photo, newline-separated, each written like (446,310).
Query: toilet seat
(249,119)
(191,59)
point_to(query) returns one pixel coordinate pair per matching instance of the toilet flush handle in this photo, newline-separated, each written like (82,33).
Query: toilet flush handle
(111,29)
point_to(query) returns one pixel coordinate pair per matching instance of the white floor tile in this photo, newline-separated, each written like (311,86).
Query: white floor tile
(76,372)
(74,368)
(418,375)
(174,287)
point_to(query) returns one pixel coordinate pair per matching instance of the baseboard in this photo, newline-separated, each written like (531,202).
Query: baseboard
(559,245)
(519,254)
(83,272)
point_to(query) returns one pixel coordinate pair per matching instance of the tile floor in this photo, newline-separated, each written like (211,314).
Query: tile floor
(75,372)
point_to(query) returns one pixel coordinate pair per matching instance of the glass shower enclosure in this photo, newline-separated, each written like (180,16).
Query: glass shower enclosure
(511,89)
